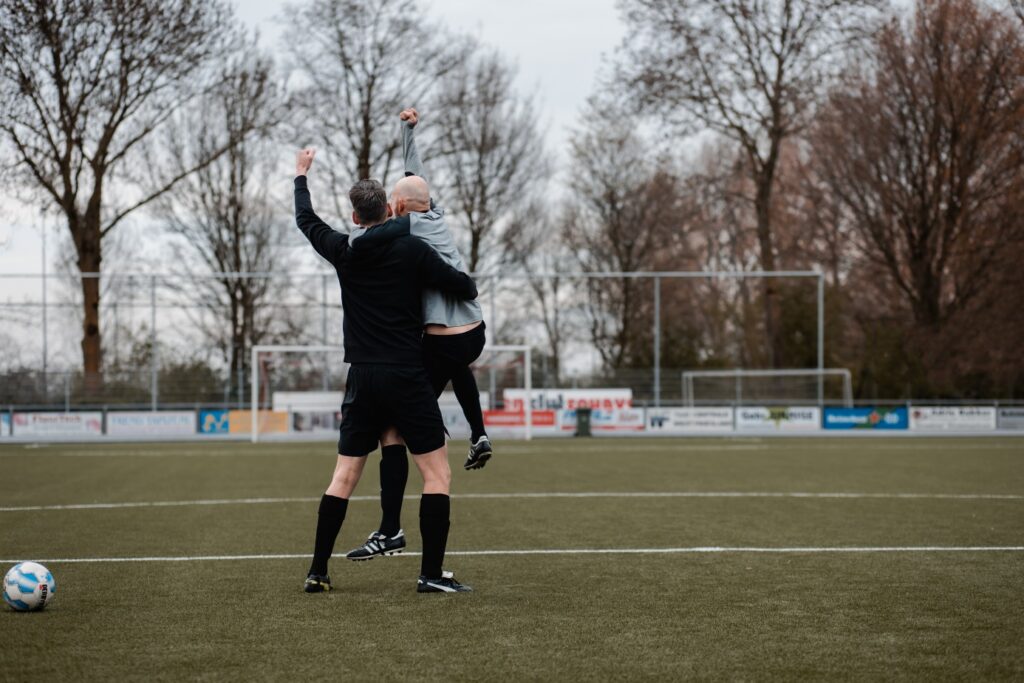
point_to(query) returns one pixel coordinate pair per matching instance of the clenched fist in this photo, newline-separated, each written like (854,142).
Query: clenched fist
(410,116)
(303,160)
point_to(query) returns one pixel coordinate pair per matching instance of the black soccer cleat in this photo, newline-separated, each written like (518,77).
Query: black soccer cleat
(479,453)
(317,584)
(446,584)
(378,544)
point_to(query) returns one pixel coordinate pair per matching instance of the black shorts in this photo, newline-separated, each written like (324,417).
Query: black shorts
(445,355)
(381,396)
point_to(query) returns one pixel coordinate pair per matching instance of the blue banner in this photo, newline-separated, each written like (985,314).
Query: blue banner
(213,422)
(866,418)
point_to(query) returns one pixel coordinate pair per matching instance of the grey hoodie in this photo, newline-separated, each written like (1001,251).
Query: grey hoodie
(429,226)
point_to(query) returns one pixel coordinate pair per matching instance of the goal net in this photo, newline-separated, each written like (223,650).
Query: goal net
(297,392)
(767,387)
(504,375)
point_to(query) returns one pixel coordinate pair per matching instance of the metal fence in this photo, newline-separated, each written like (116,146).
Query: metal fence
(165,342)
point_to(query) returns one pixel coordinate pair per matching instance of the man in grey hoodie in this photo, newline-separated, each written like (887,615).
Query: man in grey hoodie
(453,339)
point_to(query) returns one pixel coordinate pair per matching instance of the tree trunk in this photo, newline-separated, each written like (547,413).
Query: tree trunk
(762,206)
(87,244)
(237,336)
(474,248)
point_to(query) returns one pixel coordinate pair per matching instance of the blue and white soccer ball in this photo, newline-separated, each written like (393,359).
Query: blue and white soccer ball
(29,586)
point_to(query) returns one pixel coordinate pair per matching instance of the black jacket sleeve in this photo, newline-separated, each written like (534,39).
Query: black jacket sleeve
(390,230)
(436,274)
(328,242)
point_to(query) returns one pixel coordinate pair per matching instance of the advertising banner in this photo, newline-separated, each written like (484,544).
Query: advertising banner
(678,421)
(953,418)
(316,401)
(58,424)
(794,419)
(604,421)
(454,421)
(866,418)
(318,422)
(170,423)
(621,420)
(541,419)
(447,399)
(544,423)
(213,422)
(5,425)
(268,422)
(1010,418)
(569,399)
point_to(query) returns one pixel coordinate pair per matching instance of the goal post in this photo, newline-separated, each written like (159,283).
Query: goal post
(737,385)
(527,380)
(261,384)
(254,366)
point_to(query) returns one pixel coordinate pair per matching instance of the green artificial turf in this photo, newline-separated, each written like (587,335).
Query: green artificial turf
(813,615)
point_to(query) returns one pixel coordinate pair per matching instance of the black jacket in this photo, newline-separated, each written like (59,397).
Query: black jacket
(381,285)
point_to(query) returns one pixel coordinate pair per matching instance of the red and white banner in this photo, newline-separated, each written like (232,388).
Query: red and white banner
(58,424)
(504,418)
(569,399)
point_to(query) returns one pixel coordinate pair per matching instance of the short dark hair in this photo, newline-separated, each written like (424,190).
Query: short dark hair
(369,201)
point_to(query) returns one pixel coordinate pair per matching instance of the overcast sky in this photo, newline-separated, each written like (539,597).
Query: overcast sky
(557,44)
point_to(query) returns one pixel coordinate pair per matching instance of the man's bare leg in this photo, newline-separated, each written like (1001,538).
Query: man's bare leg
(437,475)
(331,514)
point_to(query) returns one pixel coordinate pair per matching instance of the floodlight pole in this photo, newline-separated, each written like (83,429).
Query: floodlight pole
(154,378)
(821,339)
(46,392)
(529,395)
(253,389)
(657,341)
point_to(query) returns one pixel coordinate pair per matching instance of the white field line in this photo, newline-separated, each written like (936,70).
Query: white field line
(565,446)
(700,550)
(541,495)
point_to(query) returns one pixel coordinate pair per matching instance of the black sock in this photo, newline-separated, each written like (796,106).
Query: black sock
(435,509)
(466,391)
(394,473)
(328,524)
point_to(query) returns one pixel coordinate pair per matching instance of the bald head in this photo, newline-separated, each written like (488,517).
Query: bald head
(410,194)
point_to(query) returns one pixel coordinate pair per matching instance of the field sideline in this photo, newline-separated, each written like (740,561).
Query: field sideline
(608,559)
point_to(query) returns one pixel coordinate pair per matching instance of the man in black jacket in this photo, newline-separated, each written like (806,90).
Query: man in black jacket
(387,385)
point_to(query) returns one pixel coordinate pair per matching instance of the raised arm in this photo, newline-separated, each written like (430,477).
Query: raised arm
(413,165)
(328,242)
(436,274)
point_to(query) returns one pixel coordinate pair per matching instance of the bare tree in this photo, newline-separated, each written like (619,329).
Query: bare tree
(359,64)
(223,213)
(84,84)
(1018,8)
(492,157)
(745,69)
(625,205)
(925,151)
(536,246)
